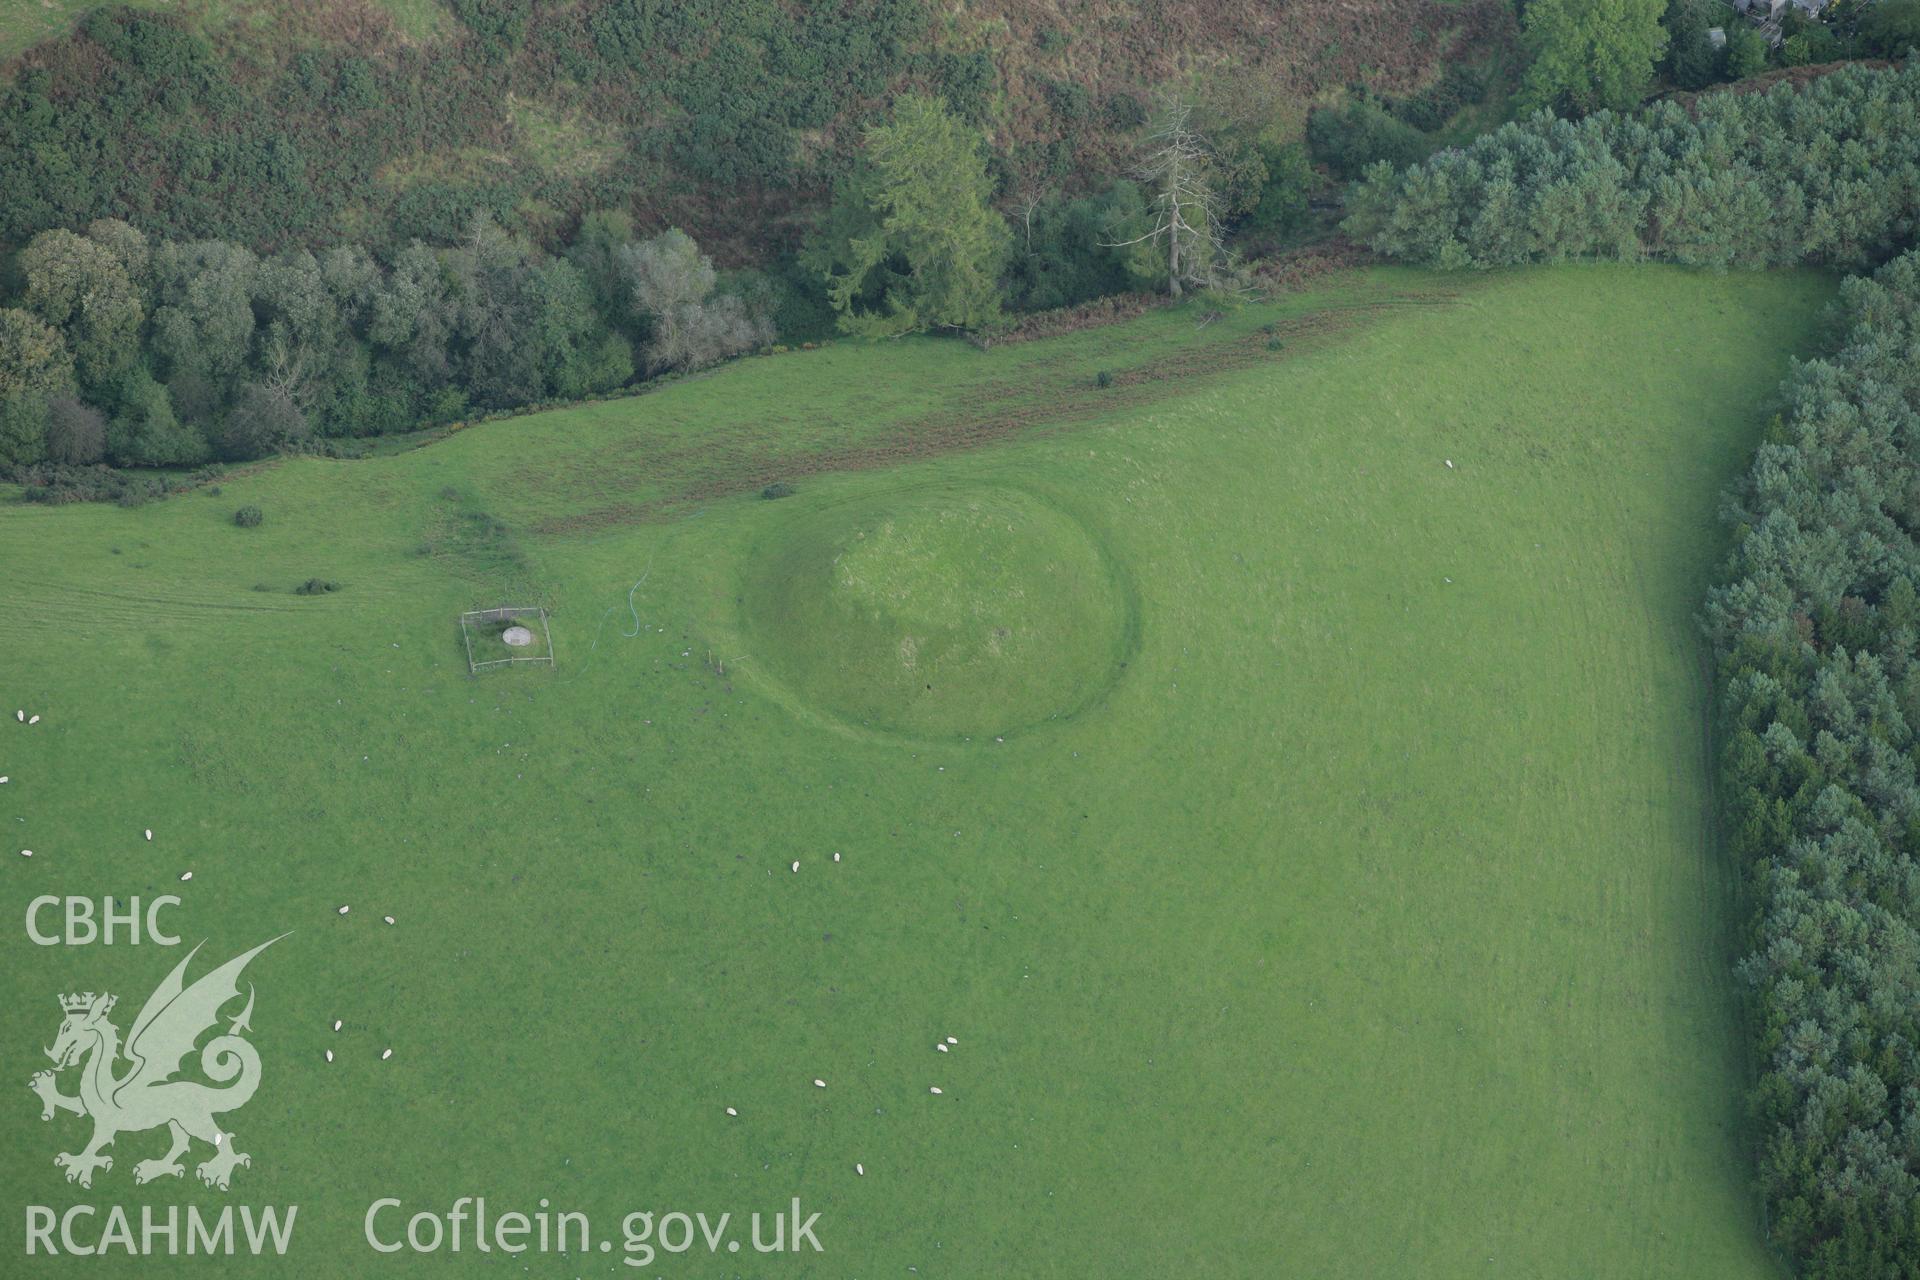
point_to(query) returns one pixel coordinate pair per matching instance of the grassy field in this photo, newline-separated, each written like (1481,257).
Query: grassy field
(1305,840)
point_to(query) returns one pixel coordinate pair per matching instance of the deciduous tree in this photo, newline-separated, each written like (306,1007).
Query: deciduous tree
(33,356)
(81,287)
(23,430)
(203,321)
(1892,27)
(1589,54)
(671,286)
(76,432)
(265,419)
(145,432)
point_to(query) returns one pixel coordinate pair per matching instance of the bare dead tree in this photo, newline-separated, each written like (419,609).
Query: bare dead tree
(1030,200)
(286,373)
(1031,187)
(1185,208)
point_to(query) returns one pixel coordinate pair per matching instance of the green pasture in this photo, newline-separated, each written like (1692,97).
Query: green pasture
(1306,841)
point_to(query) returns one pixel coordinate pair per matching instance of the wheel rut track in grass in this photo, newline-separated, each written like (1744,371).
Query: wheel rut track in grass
(102,609)
(992,413)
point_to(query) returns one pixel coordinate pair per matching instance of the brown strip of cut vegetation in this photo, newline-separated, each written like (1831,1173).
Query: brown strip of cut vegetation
(990,413)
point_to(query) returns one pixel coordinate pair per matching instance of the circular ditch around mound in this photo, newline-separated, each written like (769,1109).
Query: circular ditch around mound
(939,612)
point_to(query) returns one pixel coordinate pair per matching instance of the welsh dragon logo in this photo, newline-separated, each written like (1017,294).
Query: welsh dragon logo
(146,1095)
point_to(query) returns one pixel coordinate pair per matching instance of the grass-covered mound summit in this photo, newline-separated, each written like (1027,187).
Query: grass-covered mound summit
(938,611)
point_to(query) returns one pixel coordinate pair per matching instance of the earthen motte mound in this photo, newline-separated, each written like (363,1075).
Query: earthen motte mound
(939,612)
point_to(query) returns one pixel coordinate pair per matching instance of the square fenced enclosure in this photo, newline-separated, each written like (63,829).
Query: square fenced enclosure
(501,637)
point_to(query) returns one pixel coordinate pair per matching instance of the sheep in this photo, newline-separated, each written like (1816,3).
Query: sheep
(732,1112)
(933,1088)
(860,1169)
(149,833)
(344,910)
(336,1024)
(385,1054)
(819,1084)
(186,876)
